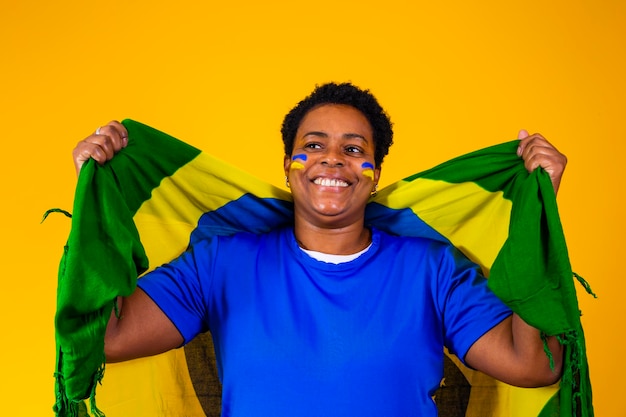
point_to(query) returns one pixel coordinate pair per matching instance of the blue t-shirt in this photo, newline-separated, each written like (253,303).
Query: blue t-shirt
(299,337)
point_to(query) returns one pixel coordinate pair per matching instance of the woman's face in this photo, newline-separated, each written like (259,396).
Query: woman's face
(331,170)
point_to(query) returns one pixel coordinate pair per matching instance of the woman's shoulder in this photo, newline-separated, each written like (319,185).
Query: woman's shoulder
(387,239)
(204,235)
(417,247)
(242,239)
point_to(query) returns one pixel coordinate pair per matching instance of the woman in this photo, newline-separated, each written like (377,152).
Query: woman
(329,316)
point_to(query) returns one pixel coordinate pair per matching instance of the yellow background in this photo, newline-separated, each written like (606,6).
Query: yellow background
(455,76)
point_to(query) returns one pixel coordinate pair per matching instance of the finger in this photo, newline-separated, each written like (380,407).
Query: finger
(121,130)
(522,134)
(116,133)
(553,164)
(102,145)
(537,152)
(85,150)
(542,154)
(537,144)
(528,141)
(539,159)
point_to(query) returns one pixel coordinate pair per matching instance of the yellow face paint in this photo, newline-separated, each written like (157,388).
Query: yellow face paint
(295,164)
(368,170)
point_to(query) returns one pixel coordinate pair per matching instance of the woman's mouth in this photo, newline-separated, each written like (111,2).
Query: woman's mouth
(330,182)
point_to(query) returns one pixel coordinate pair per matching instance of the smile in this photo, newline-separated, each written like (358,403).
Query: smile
(330,182)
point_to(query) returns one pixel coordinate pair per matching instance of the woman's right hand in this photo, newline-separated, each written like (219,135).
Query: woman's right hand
(102,145)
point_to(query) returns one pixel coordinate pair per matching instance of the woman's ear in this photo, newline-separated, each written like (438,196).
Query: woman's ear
(377,174)
(287,164)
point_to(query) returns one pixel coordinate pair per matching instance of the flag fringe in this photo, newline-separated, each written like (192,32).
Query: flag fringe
(585,284)
(573,363)
(65,407)
(546,349)
(55,210)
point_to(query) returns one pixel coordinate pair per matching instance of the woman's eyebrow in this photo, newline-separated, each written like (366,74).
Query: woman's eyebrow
(316,133)
(355,136)
(345,135)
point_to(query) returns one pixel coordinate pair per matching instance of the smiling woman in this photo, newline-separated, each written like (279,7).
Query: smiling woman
(331,191)
(329,308)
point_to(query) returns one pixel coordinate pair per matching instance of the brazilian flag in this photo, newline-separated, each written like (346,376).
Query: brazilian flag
(158,195)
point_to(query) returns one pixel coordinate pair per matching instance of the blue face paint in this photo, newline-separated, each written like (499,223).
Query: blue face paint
(368,170)
(295,164)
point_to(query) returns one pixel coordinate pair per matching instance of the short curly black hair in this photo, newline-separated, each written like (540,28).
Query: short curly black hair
(348,94)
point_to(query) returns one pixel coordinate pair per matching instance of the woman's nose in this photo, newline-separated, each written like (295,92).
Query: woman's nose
(333,158)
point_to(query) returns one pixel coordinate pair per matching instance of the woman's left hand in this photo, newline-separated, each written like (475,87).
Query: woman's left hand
(538,152)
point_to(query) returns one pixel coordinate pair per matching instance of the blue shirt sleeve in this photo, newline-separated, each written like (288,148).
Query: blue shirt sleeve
(470,309)
(179,288)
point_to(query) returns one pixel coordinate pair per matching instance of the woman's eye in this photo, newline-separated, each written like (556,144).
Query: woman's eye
(312,146)
(353,149)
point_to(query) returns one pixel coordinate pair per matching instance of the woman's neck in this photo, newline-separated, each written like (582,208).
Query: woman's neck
(335,241)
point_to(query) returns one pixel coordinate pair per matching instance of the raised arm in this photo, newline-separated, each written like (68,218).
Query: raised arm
(142,329)
(513,351)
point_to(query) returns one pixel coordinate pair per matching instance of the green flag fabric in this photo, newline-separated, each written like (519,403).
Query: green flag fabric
(158,195)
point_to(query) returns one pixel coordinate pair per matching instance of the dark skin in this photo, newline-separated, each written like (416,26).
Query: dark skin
(331,189)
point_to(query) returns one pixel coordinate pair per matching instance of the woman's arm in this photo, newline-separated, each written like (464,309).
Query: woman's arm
(142,329)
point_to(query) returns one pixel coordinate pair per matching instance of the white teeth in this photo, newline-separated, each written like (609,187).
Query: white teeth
(328,182)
